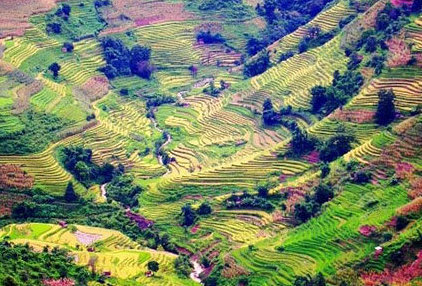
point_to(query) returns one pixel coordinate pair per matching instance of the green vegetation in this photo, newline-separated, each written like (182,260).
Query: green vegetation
(39,129)
(264,142)
(20,264)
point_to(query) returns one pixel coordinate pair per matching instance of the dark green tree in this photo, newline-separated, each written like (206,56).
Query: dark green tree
(323,193)
(336,146)
(153,266)
(70,194)
(55,68)
(301,143)
(188,215)
(386,110)
(204,209)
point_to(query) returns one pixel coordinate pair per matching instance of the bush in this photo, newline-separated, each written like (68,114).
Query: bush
(55,68)
(336,146)
(183,266)
(123,62)
(68,47)
(257,66)
(204,209)
(386,110)
(209,38)
(123,190)
(188,215)
(343,87)
(401,222)
(55,28)
(323,193)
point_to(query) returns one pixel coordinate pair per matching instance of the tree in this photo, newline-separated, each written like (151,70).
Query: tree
(193,70)
(9,281)
(144,69)
(55,28)
(68,47)
(262,191)
(336,146)
(24,210)
(325,170)
(70,194)
(258,65)
(153,266)
(386,110)
(269,116)
(323,193)
(417,6)
(204,209)
(55,68)
(66,9)
(301,143)
(139,54)
(318,97)
(188,215)
(182,265)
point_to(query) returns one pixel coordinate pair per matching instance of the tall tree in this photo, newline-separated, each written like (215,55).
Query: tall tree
(153,266)
(386,110)
(70,194)
(188,215)
(55,68)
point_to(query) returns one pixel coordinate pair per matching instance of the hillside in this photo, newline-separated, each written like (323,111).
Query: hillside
(254,142)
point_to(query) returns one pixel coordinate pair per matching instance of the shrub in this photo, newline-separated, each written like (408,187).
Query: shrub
(68,47)
(323,193)
(70,194)
(401,222)
(257,66)
(386,111)
(55,28)
(123,190)
(336,146)
(182,265)
(188,215)
(204,209)
(209,38)
(153,266)
(55,68)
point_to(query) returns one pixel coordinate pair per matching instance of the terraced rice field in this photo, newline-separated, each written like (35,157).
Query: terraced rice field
(291,80)
(328,20)
(172,43)
(407,91)
(114,252)
(326,241)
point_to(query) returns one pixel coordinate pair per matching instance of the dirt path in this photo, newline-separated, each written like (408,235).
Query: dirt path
(168,141)
(104,191)
(197,270)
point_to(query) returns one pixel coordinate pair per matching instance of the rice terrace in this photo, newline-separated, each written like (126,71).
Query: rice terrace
(211,142)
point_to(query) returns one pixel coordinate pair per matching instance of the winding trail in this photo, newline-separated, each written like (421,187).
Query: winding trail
(168,141)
